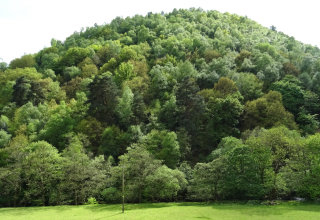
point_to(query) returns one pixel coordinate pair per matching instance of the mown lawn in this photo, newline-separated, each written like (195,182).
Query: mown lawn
(167,211)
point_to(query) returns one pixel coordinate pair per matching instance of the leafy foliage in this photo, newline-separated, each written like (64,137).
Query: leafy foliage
(188,105)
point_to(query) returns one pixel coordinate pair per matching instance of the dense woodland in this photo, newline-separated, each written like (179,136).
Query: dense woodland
(191,105)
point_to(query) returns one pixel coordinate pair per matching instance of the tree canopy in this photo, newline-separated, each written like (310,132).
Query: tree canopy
(187,105)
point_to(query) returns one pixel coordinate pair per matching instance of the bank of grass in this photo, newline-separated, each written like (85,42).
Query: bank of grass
(167,211)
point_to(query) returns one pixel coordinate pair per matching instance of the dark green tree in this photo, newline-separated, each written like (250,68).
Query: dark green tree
(103,98)
(21,91)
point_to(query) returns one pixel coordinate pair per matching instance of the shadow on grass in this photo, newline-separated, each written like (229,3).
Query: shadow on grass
(260,210)
(128,207)
(20,211)
(112,208)
(235,207)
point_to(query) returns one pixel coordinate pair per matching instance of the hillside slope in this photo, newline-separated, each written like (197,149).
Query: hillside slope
(219,105)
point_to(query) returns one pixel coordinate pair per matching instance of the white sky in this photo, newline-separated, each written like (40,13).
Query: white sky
(27,26)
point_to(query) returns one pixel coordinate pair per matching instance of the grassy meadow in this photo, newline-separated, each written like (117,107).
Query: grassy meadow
(167,211)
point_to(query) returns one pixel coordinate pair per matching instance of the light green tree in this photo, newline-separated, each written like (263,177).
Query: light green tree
(41,169)
(124,106)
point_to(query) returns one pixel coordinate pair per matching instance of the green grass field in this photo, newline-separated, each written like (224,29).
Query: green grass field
(167,211)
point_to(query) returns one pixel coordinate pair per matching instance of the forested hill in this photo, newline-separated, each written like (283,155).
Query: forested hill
(193,105)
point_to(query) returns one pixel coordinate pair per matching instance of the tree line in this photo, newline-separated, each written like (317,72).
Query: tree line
(191,105)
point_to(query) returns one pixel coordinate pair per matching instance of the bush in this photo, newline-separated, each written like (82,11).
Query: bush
(111,195)
(91,201)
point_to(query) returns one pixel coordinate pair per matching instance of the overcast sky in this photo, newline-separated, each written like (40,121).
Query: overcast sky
(29,25)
